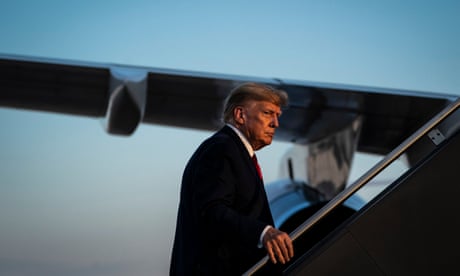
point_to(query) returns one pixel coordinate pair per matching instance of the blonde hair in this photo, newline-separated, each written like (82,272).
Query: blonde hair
(252,92)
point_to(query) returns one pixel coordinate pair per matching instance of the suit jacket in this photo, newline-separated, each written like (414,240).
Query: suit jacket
(222,212)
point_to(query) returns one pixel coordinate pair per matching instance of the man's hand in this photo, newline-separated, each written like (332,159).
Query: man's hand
(278,245)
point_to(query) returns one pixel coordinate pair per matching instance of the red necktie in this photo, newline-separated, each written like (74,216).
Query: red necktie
(259,171)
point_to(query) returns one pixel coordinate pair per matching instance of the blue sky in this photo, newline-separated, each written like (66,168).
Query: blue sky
(74,200)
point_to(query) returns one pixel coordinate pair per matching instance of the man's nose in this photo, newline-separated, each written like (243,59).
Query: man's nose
(275,122)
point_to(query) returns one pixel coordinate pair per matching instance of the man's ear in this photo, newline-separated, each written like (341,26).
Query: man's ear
(238,115)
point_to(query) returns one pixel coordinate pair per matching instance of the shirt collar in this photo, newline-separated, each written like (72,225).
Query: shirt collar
(243,139)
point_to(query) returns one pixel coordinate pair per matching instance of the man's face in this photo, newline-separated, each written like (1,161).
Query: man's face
(258,121)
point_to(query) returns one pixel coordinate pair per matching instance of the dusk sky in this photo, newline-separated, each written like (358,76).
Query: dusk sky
(77,201)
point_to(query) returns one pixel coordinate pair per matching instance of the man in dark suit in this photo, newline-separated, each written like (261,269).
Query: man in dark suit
(224,221)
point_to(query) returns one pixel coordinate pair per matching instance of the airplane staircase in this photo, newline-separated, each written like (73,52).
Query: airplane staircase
(412,227)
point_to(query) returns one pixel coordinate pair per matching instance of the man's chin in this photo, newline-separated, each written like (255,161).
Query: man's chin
(263,144)
(268,142)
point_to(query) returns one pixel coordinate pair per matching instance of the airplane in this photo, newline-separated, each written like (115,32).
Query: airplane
(327,124)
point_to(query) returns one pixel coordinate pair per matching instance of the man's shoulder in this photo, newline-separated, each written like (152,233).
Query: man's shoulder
(222,138)
(225,133)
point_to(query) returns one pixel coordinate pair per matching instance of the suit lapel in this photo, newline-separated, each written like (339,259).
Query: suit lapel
(264,205)
(244,153)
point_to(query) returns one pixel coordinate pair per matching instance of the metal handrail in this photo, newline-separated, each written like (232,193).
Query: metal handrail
(363,180)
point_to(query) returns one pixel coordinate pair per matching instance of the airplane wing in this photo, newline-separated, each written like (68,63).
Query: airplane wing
(127,96)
